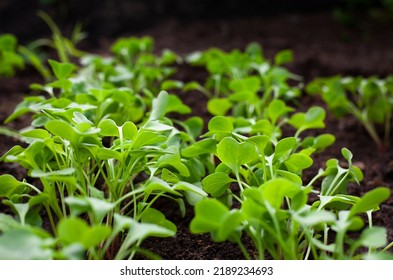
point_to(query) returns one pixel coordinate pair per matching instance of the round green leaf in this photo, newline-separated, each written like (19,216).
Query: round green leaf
(217,183)
(218,106)
(235,154)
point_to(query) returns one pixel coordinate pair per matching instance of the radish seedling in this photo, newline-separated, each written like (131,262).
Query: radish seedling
(276,215)
(369,100)
(243,81)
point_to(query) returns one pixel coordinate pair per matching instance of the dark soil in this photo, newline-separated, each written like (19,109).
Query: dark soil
(322,47)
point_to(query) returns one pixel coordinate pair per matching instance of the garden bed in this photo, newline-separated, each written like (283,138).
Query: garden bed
(321,47)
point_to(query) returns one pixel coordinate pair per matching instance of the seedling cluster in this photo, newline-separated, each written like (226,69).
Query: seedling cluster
(103,147)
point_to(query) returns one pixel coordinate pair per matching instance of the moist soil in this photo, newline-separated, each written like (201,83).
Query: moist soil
(321,46)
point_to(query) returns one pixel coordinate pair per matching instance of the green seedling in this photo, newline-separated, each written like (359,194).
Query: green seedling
(75,238)
(369,100)
(276,215)
(244,82)
(251,153)
(134,65)
(10,59)
(65,47)
(100,171)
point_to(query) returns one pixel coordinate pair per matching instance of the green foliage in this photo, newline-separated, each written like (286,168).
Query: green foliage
(244,82)
(276,215)
(65,47)
(104,170)
(369,100)
(105,143)
(10,59)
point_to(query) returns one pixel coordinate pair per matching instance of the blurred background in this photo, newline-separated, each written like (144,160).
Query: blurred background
(113,18)
(109,18)
(355,34)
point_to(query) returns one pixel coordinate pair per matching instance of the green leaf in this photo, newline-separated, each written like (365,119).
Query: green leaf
(9,132)
(370,201)
(347,154)
(21,244)
(9,186)
(243,96)
(173,159)
(63,130)
(235,154)
(297,162)
(219,106)
(153,216)
(108,128)
(219,127)
(220,124)
(61,70)
(20,209)
(284,148)
(8,223)
(312,119)
(208,216)
(277,109)
(313,218)
(283,57)
(192,192)
(375,237)
(217,183)
(80,118)
(192,86)
(75,230)
(264,127)
(378,256)
(157,185)
(175,104)
(214,217)
(98,207)
(250,83)
(205,146)
(275,190)
(159,107)
(95,236)
(323,141)
(339,201)
(129,130)
(260,141)
(72,230)
(194,126)
(290,176)
(138,232)
(36,134)
(144,138)
(171,84)
(8,42)
(63,175)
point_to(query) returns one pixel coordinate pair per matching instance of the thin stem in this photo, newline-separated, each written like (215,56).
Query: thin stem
(244,250)
(387,247)
(52,223)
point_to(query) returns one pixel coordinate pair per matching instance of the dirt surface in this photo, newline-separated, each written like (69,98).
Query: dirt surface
(321,47)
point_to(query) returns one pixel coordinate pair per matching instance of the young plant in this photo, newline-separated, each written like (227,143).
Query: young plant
(134,65)
(65,47)
(369,100)
(10,59)
(253,152)
(106,173)
(245,82)
(276,215)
